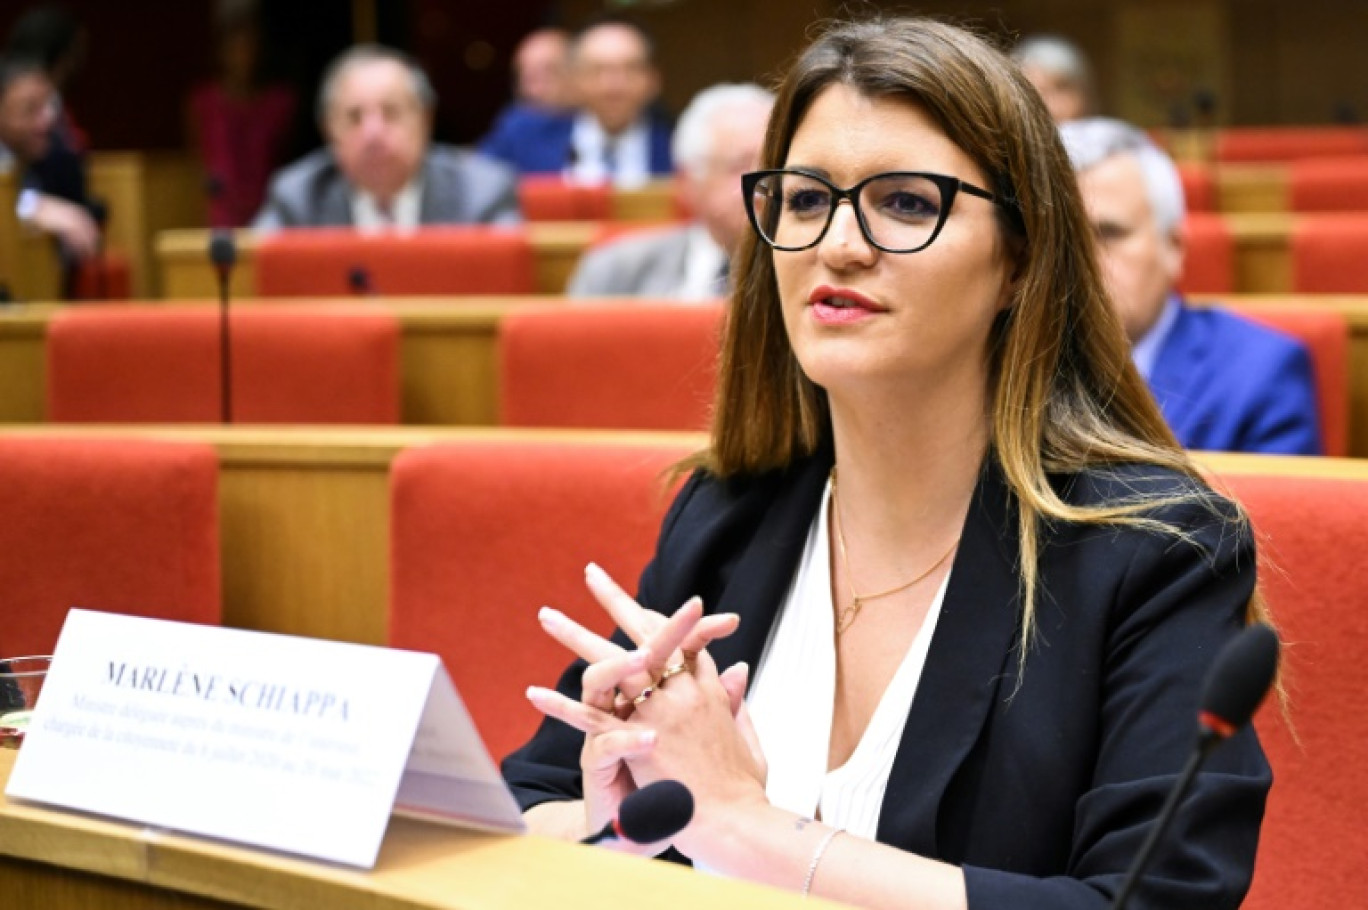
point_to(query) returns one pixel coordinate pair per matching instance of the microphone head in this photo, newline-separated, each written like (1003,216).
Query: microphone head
(222,249)
(655,812)
(1239,679)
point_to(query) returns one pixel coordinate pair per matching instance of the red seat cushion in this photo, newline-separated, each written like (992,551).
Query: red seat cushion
(124,526)
(547,197)
(1312,534)
(620,366)
(1209,255)
(485,534)
(1326,336)
(445,260)
(1199,186)
(1330,254)
(161,364)
(1289,143)
(1328,184)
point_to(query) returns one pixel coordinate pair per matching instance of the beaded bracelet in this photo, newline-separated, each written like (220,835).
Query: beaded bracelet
(817,858)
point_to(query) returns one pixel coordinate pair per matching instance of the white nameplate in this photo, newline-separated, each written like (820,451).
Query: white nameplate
(290,744)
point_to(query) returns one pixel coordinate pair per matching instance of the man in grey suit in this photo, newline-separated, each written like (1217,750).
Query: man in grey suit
(379,170)
(717,140)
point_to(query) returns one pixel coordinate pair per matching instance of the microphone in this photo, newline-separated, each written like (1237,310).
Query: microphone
(655,812)
(1235,685)
(223,254)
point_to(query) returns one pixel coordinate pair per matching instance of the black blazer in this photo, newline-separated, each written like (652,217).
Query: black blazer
(1040,786)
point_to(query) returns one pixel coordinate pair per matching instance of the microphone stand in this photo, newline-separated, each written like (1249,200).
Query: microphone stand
(223,254)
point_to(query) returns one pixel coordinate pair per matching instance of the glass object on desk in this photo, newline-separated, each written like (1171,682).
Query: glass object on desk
(21,679)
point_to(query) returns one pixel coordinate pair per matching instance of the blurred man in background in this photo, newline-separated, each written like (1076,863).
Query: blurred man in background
(1223,383)
(380,169)
(718,139)
(1060,72)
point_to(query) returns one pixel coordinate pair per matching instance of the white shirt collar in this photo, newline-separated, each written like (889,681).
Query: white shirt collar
(631,152)
(405,212)
(1145,352)
(703,261)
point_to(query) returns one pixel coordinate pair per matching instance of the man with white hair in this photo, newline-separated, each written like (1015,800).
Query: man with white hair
(718,139)
(1223,383)
(1060,72)
(380,169)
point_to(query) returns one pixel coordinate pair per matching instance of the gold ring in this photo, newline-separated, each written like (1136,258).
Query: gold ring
(646,693)
(672,671)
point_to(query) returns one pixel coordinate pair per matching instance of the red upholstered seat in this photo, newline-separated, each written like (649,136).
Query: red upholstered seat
(1328,184)
(107,277)
(1326,336)
(161,364)
(619,366)
(120,526)
(1330,254)
(1289,143)
(1209,258)
(1314,841)
(547,197)
(446,260)
(1199,186)
(483,535)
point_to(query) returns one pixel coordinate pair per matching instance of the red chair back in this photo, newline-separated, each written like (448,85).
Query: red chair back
(1313,534)
(1199,186)
(547,197)
(1328,184)
(616,366)
(162,365)
(1209,257)
(446,260)
(107,277)
(1330,254)
(123,526)
(1290,143)
(484,534)
(1326,336)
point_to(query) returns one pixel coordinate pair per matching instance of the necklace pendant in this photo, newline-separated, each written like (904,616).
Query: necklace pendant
(846,618)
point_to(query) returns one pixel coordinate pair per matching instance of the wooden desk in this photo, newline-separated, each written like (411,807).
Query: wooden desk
(1263,252)
(147,193)
(186,274)
(54,859)
(1253,188)
(448,357)
(29,269)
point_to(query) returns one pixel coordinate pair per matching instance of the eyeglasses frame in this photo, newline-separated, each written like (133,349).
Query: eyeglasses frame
(949,188)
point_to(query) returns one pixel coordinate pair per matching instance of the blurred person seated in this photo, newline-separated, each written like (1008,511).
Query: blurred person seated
(718,139)
(239,124)
(617,136)
(28,117)
(380,169)
(1060,72)
(1222,382)
(541,70)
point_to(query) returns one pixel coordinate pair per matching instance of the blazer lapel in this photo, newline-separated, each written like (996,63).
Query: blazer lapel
(334,208)
(441,195)
(1172,378)
(971,654)
(762,577)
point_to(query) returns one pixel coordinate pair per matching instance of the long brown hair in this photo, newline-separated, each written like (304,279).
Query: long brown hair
(1064,394)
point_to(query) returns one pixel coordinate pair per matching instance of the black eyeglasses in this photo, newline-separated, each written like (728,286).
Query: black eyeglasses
(898,212)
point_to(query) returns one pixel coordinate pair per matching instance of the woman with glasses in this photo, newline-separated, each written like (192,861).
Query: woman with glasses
(927,623)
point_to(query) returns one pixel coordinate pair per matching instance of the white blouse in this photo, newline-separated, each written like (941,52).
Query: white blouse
(793,692)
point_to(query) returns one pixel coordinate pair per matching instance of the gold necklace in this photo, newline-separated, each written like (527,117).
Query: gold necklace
(846,618)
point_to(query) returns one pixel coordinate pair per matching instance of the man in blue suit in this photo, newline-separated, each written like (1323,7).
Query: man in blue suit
(617,136)
(1223,383)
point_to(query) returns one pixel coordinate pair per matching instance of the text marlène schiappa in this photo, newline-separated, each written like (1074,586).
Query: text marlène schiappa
(247,693)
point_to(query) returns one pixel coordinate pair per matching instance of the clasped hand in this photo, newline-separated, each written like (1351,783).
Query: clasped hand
(662,711)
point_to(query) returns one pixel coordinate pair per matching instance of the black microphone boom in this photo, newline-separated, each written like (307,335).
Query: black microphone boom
(1237,682)
(223,254)
(655,812)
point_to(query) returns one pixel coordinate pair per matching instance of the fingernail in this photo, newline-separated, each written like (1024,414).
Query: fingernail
(647,739)
(742,667)
(592,569)
(637,659)
(548,614)
(534,693)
